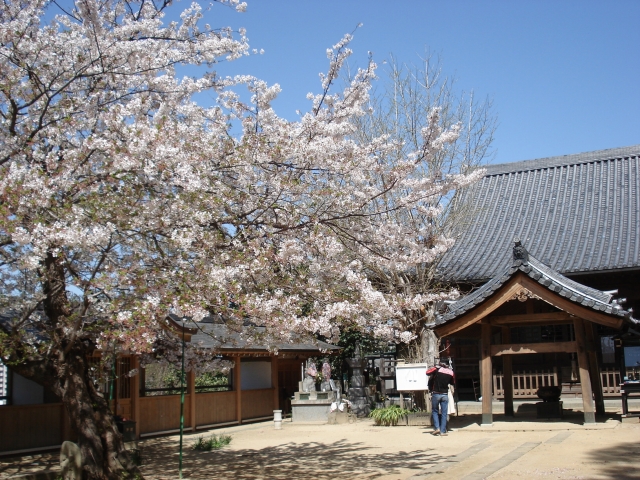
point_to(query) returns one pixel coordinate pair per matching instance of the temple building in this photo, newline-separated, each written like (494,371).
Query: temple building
(558,305)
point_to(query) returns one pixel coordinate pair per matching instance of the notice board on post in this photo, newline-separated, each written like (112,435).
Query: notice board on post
(411,376)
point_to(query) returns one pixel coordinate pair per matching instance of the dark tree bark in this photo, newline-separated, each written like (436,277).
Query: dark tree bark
(64,369)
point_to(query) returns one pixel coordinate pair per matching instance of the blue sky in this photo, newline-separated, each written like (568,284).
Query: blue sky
(564,75)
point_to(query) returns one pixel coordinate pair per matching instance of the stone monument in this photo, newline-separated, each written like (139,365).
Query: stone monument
(357,391)
(308,404)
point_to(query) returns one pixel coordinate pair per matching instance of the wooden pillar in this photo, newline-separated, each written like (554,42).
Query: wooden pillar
(237,388)
(583,367)
(116,386)
(191,390)
(487,375)
(135,393)
(507,374)
(274,382)
(594,366)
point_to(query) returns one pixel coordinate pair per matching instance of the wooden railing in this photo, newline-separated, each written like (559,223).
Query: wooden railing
(610,382)
(525,384)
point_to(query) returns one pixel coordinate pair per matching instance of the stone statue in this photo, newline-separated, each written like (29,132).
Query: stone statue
(309,382)
(326,384)
(70,461)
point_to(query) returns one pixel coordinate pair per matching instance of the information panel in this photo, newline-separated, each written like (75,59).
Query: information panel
(411,376)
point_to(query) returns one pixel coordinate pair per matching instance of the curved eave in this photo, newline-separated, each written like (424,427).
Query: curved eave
(518,281)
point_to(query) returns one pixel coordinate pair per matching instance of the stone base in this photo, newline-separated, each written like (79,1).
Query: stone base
(630,419)
(360,407)
(549,410)
(310,411)
(419,419)
(314,397)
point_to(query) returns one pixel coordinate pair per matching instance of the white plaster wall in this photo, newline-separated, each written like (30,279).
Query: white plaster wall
(25,392)
(255,375)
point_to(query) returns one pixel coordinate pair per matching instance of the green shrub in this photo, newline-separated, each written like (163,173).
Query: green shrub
(389,415)
(214,442)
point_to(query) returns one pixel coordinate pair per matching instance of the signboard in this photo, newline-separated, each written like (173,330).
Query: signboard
(632,357)
(411,376)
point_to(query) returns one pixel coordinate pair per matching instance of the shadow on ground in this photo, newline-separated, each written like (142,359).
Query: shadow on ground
(617,462)
(289,461)
(528,416)
(10,466)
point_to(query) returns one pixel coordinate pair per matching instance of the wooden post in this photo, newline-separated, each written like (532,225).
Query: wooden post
(135,393)
(274,382)
(507,374)
(487,375)
(191,390)
(594,367)
(583,367)
(116,386)
(237,388)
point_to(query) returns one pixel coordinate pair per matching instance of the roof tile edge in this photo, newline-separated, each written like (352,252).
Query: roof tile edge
(562,160)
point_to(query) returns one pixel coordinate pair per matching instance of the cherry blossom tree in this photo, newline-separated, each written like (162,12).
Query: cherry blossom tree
(124,200)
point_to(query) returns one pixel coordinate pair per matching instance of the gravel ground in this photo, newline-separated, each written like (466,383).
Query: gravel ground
(507,450)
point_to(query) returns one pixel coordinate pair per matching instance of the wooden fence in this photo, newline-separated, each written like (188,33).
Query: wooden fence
(216,407)
(27,427)
(257,403)
(162,413)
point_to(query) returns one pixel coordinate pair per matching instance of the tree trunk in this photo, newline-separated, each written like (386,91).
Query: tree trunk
(103,453)
(429,345)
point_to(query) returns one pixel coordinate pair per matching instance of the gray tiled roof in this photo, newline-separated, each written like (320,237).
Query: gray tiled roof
(549,278)
(213,334)
(577,213)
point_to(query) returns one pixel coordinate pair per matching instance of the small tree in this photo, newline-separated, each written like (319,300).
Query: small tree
(123,200)
(408,100)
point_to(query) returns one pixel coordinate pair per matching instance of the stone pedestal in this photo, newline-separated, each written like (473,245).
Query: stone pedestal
(312,406)
(549,410)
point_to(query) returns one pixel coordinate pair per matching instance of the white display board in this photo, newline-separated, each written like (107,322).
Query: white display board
(255,375)
(411,376)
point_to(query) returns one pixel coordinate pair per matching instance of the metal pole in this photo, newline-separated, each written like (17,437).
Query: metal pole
(181,402)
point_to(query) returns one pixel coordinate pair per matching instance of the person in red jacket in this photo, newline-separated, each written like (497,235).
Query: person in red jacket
(440,377)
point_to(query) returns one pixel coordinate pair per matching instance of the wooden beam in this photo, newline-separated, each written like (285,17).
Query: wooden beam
(538,318)
(526,348)
(135,393)
(583,366)
(569,306)
(274,382)
(501,296)
(487,375)
(594,367)
(507,375)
